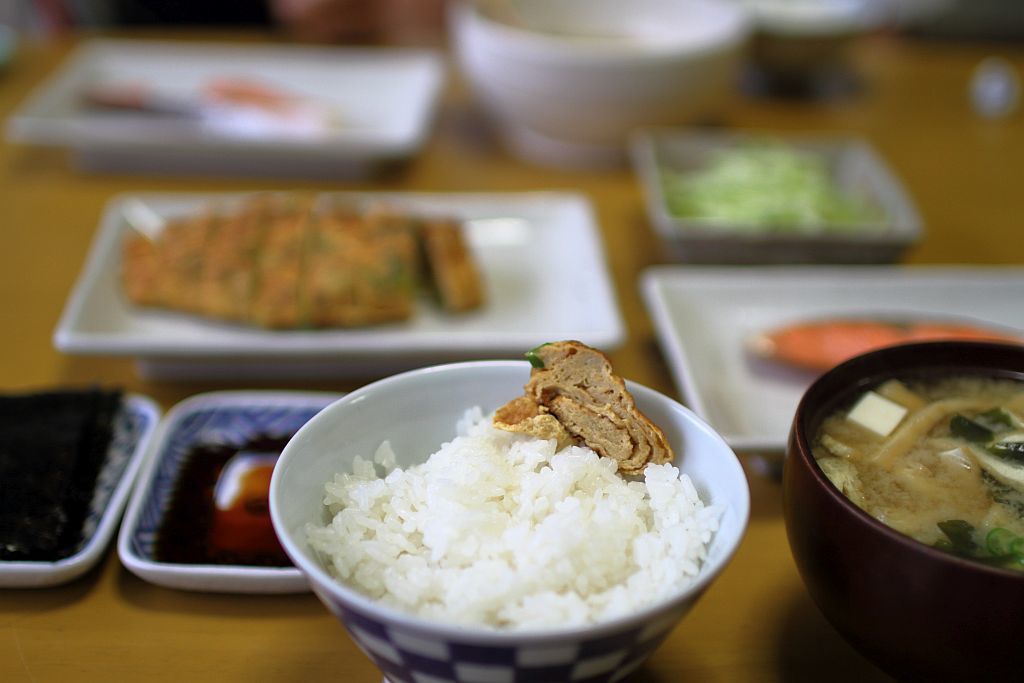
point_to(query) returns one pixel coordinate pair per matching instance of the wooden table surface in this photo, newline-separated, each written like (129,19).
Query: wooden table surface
(756,623)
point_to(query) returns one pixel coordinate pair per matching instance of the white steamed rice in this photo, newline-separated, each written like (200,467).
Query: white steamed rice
(497,529)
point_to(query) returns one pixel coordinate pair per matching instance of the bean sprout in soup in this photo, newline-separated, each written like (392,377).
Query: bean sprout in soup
(942,462)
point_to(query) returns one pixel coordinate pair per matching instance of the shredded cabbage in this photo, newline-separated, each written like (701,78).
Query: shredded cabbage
(766,187)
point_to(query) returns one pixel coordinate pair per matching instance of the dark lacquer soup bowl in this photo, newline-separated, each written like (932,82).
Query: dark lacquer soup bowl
(918,612)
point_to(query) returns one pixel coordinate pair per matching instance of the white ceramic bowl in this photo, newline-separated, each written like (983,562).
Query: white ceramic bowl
(417,411)
(566,80)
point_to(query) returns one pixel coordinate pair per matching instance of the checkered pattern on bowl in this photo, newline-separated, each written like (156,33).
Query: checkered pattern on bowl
(410,656)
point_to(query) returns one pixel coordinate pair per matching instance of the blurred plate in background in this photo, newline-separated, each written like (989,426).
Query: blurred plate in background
(543,269)
(368,106)
(664,156)
(705,317)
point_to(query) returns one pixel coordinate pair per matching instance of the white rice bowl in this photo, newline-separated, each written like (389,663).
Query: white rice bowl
(499,530)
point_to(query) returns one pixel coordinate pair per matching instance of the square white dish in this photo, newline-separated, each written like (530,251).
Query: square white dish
(134,427)
(227,417)
(854,168)
(704,316)
(544,272)
(385,99)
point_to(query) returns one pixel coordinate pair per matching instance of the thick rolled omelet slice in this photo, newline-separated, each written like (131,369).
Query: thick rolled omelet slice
(574,384)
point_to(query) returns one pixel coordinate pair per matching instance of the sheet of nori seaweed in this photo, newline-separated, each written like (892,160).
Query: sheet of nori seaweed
(52,446)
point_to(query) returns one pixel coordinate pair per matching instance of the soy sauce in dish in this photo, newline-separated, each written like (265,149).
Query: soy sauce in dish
(219,511)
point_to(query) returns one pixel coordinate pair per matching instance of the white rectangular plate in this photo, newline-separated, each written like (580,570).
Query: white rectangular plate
(544,274)
(703,317)
(385,99)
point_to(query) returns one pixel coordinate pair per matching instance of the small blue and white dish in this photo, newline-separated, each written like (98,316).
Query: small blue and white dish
(225,422)
(134,427)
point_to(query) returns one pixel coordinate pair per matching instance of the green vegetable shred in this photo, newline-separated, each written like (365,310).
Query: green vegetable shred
(1000,547)
(971,430)
(534,358)
(767,187)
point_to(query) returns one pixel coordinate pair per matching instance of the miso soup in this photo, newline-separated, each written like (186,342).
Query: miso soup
(942,462)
